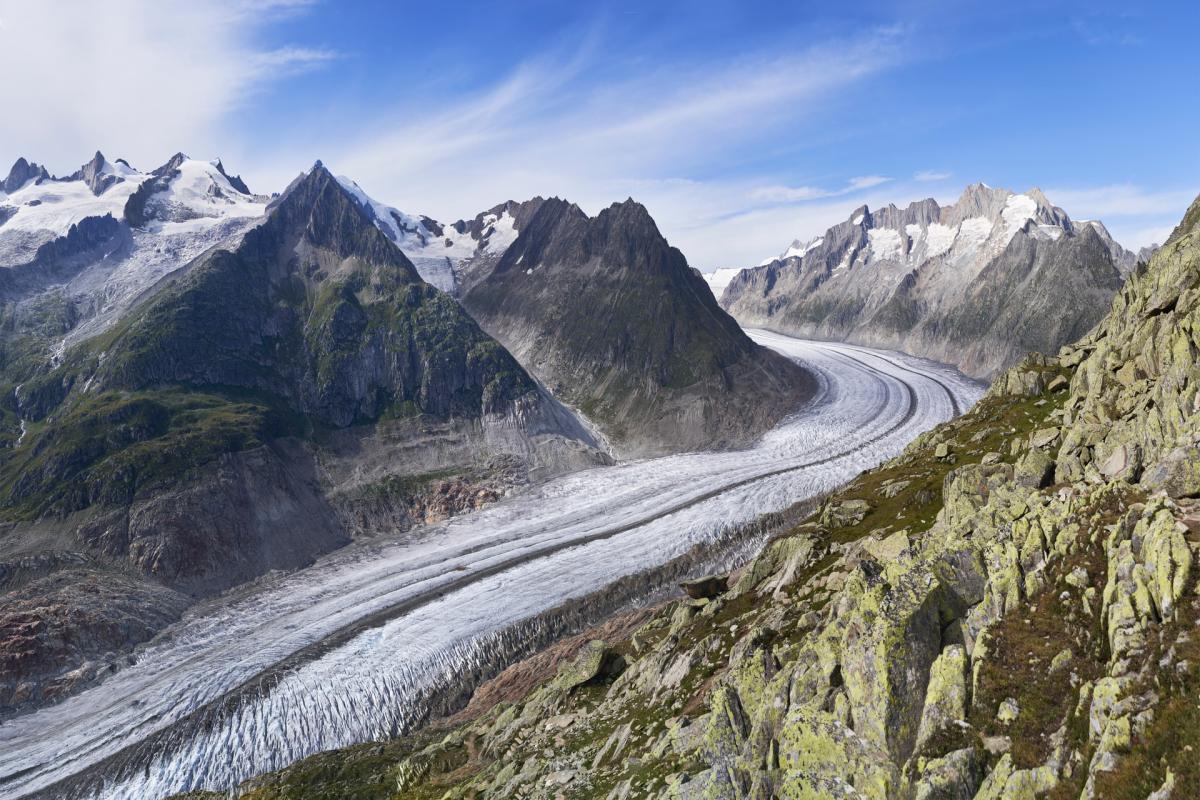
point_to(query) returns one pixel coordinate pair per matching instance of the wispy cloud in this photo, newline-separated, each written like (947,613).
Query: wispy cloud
(785,194)
(797,194)
(931,175)
(138,79)
(867,181)
(1136,216)
(1120,200)
(551,126)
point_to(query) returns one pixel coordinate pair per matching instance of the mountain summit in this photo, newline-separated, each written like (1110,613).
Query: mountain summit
(612,319)
(977,283)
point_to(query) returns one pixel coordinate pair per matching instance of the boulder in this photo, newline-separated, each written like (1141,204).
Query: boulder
(1177,473)
(946,695)
(1122,462)
(707,587)
(1034,470)
(595,663)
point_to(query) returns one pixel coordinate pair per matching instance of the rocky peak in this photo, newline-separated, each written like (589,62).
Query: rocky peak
(482,225)
(173,164)
(23,172)
(234,180)
(317,208)
(98,174)
(631,221)
(981,200)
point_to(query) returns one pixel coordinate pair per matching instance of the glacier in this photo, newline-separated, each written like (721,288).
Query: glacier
(352,648)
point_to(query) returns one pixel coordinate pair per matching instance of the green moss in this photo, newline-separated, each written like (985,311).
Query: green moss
(108,446)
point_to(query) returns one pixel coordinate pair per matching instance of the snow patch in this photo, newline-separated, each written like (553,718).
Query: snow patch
(972,233)
(55,206)
(938,239)
(719,279)
(885,243)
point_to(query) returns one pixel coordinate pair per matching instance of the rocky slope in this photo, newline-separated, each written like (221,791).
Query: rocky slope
(1007,610)
(610,317)
(977,284)
(202,387)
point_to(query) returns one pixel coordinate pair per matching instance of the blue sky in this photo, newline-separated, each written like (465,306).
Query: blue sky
(740,125)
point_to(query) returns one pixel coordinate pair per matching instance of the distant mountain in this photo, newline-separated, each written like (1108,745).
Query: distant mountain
(977,284)
(611,318)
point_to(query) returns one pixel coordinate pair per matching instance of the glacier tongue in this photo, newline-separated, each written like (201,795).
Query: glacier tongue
(225,696)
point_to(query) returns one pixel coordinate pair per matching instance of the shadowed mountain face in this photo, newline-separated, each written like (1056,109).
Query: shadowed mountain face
(977,284)
(611,318)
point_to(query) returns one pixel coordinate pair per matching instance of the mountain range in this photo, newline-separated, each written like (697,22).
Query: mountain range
(977,284)
(199,384)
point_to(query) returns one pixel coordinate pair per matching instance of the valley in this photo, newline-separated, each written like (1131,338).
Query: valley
(374,638)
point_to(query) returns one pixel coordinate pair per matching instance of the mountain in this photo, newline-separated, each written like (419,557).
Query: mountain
(1009,609)
(977,284)
(450,257)
(198,386)
(611,319)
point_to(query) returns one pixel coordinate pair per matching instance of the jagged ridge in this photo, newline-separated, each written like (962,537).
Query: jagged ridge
(977,284)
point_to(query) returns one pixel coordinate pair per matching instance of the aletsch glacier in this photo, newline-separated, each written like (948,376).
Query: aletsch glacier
(439,599)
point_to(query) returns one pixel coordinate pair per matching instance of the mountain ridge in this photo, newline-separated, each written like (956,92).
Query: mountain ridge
(921,278)
(610,317)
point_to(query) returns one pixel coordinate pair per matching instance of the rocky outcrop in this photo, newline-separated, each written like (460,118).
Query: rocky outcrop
(64,630)
(941,628)
(23,172)
(611,319)
(977,284)
(98,174)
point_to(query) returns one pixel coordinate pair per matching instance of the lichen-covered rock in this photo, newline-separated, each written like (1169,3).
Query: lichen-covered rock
(954,776)
(946,695)
(596,661)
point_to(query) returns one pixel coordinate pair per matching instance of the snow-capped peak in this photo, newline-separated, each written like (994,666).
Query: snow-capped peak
(978,226)
(403,229)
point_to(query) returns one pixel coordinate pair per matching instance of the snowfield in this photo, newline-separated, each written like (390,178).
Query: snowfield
(362,633)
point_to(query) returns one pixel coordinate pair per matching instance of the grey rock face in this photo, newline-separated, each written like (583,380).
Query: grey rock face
(976,284)
(234,180)
(96,176)
(611,318)
(58,259)
(23,172)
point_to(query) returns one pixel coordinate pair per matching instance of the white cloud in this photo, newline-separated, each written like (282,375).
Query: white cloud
(1120,200)
(1134,215)
(867,181)
(138,79)
(776,194)
(785,194)
(549,129)
(929,175)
